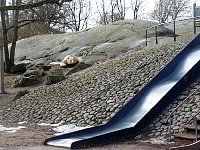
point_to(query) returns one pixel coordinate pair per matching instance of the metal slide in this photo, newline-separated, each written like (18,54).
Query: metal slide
(144,106)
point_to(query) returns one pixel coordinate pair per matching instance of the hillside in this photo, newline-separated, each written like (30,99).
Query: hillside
(94,95)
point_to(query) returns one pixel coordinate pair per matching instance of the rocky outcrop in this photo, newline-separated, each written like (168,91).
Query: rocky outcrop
(93,45)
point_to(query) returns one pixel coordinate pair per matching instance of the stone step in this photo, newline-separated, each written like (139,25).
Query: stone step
(187,136)
(198,120)
(191,128)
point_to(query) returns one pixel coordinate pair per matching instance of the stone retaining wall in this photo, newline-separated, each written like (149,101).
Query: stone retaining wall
(182,115)
(94,95)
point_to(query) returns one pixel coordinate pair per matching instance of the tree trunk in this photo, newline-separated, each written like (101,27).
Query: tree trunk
(15,34)
(5,38)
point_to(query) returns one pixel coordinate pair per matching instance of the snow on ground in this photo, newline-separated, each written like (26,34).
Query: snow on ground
(23,122)
(63,129)
(67,129)
(157,140)
(58,128)
(10,129)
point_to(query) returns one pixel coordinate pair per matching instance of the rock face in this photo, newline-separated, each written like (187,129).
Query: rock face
(93,45)
(54,75)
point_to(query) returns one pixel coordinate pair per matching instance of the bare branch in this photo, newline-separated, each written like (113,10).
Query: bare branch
(32,5)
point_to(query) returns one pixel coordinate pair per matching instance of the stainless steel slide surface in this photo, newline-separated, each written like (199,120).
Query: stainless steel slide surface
(144,106)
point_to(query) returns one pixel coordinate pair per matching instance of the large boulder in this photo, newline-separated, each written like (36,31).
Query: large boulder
(54,75)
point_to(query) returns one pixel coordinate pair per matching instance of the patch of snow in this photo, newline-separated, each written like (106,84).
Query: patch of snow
(67,129)
(23,122)
(43,124)
(63,129)
(11,129)
(52,125)
(23,62)
(55,63)
(158,140)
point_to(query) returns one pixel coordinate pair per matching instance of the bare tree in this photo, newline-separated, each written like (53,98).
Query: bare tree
(15,32)
(111,12)
(103,13)
(70,16)
(78,14)
(120,8)
(5,37)
(169,9)
(179,7)
(9,56)
(136,6)
(33,4)
(162,10)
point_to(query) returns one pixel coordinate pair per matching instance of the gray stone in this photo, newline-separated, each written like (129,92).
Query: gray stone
(20,94)
(21,81)
(54,76)
(18,68)
(34,71)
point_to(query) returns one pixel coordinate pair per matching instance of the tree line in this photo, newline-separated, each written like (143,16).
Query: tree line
(25,18)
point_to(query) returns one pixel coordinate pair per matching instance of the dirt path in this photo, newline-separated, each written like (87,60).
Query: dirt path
(106,147)
(32,137)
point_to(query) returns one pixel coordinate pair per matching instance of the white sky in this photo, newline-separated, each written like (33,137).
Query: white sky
(148,7)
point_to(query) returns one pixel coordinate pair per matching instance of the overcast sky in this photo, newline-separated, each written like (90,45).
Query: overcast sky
(148,7)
